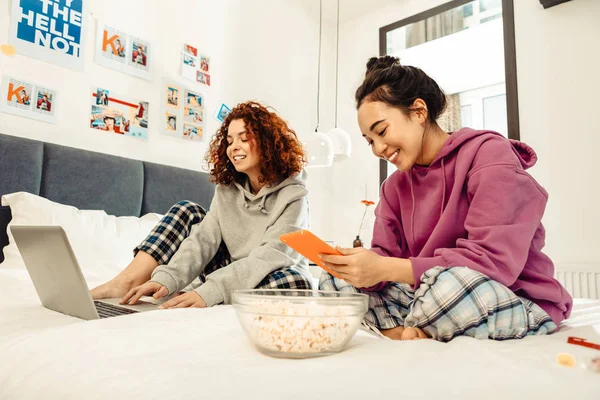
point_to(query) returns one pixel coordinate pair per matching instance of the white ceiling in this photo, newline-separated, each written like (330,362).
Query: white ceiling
(349,9)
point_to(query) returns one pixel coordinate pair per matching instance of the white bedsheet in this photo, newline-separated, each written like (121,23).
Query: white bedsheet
(203,353)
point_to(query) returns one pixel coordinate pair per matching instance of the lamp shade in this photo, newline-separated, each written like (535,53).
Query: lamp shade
(342,145)
(319,150)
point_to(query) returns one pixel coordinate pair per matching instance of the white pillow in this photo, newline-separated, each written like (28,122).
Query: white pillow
(99,241)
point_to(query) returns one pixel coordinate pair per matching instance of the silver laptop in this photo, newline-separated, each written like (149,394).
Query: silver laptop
(57,277)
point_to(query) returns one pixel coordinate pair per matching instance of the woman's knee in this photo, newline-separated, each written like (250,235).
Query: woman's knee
(459,301)
(186,207)
(440,275)
(285,278)
(330,283)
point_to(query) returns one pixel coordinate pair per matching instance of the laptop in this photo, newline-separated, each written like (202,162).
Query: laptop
(58,280)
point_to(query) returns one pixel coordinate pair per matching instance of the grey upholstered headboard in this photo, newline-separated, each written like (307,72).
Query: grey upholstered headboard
(93,181)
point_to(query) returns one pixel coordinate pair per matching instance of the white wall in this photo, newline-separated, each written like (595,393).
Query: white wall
(275,48)
(557,63)
(358,178)
(267,49)
(74,87)
(261,49)
(557,56)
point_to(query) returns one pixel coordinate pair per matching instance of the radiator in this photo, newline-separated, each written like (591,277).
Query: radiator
(580,281)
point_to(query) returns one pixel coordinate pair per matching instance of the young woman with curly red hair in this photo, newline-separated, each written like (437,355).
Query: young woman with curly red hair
(260,194)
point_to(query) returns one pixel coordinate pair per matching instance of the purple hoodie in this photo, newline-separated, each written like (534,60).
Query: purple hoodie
(474,206)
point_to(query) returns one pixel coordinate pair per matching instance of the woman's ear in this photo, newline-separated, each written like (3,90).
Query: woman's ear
(420,110)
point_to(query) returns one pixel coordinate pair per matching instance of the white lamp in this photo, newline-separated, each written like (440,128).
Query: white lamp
(319,150)
(322,149)
(318,146)
(342,145)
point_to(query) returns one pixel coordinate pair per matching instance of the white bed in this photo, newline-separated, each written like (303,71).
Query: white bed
(203,353)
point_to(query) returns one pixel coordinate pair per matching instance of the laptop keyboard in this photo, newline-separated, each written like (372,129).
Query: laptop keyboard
(106,310)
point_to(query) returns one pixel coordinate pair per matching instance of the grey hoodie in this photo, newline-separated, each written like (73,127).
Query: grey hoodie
(250,225)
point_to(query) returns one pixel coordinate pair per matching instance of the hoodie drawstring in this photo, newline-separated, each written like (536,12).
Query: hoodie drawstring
(412,195)
(412,215)
(443,188)
(261,206)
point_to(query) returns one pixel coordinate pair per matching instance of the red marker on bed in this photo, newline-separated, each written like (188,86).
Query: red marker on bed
(582,342)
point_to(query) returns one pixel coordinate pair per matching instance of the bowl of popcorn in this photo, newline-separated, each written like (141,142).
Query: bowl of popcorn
(299,323)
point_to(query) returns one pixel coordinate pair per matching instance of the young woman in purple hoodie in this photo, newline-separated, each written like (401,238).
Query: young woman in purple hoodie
(457,243)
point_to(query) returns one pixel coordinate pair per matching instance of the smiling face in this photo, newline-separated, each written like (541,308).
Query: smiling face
(393,135)
(242,149)
(110,123)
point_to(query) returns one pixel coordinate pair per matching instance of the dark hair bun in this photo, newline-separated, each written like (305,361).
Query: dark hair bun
(399,86)
(379,63)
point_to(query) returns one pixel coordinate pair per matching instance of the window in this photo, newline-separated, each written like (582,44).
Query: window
(490,5)
(468,48)
(466,116)
(494,114)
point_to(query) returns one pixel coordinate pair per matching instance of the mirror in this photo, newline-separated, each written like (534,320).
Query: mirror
(468,47)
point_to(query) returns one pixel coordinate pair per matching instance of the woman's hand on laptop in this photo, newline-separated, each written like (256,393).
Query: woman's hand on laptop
(188,299)
(147,288)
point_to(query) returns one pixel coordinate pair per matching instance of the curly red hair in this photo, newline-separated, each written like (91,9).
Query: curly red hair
(281,152)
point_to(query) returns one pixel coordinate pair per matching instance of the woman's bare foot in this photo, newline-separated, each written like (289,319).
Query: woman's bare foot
(413,334)
(394,333)
(137,273)
(404,333)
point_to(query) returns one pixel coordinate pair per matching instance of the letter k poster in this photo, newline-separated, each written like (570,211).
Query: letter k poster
(28,100)
(122,51)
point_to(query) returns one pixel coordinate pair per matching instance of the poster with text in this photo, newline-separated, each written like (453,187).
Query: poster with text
(50,30)
(28,100)
(195,66)
(121,51)
(118,114)
(182,111)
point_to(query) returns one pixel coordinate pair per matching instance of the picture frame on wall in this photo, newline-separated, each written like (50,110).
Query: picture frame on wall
(119,114)
(123,52)
(182,111)
(28,100)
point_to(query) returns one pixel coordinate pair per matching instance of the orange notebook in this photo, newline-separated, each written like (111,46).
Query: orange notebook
(310,246)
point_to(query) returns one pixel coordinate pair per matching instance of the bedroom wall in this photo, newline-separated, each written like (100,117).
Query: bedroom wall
(275,45)
(358,178)
(140,18)
(557,62)
(261,49)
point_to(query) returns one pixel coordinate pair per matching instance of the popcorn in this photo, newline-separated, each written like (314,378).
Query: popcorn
(299,328)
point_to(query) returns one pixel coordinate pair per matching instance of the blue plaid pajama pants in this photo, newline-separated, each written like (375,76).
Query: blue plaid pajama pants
(164,240)
(452,302)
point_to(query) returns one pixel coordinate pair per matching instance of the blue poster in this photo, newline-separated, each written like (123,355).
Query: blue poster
(50,30)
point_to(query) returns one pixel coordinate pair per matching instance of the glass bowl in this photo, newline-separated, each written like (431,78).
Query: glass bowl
(299,323)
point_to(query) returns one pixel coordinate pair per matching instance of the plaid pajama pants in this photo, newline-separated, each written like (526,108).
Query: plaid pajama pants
(176,225)
(452,302)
